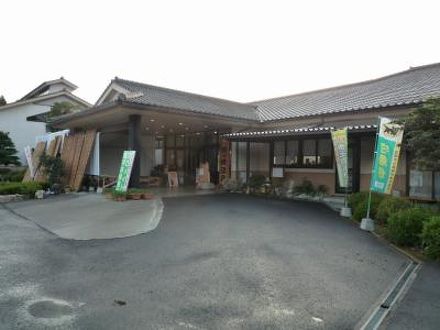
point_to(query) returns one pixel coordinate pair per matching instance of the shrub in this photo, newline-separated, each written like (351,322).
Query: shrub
(405,226)
(390,205)
(306,187)
(322,189)
(8,175)
(359,203)
(53,167)
(22,188)
(356,198)
(431,237)
(256,181)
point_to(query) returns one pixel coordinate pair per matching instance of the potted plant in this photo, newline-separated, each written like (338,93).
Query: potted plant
(256,183)
(119,196)
(147,195)
(134,193)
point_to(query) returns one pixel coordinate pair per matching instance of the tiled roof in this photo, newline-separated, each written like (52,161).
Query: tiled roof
(404,88)
(297,131)
(163,97)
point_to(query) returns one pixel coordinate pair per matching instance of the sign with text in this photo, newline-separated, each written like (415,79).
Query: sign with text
(386,157)
(340,145)
(125,170)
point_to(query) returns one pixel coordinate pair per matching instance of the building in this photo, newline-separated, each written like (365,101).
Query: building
(13,115)
(287,136)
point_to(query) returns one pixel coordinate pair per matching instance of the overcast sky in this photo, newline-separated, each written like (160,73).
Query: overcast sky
(238,50)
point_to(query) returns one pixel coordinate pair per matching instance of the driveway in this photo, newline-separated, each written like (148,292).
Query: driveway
(91,216)
(213,262)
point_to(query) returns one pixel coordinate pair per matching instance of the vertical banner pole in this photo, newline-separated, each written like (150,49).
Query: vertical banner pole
(372,173)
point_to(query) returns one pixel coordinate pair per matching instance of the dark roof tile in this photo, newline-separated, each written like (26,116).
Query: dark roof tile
(165,97)
(404,88)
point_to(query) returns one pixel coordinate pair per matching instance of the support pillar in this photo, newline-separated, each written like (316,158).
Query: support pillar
(248,162)
(134,143)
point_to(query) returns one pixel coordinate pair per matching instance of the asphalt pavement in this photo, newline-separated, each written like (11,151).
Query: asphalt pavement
(420,306)
(213,262)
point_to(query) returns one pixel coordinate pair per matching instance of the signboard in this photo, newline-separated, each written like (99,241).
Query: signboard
(28,154)
(173,181)
(277,172)
(125,170)
(386,157)
(340,146)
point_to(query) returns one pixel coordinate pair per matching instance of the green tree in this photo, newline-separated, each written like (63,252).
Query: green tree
(53,167)
(60,108)
(422,135)
(2,100)
(8,153)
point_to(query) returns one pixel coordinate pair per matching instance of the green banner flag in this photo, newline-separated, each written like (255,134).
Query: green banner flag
(340,146)
(125,170)
(386,158)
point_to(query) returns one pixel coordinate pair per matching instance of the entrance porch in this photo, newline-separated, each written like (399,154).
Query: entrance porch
(164,140)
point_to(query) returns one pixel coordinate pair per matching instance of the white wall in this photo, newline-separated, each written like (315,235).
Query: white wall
(21,131)
(112,147)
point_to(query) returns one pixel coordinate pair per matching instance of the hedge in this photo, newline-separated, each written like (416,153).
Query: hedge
(22,188)
(359,203)
(405,227)
(9,175)
(431,237)
(389,206)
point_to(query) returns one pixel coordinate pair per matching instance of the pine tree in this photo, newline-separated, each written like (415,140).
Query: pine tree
(8,153)
(422,135)
(2,100)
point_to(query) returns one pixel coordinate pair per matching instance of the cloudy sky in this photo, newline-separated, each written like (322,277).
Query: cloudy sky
(242,50)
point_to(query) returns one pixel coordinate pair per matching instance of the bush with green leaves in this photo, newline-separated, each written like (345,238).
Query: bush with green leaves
(306,187)
(53,167)
(356,198)
(256,181)
(389,206)
(405,227)
(322,190)
(8,153)
(27,189)
(359,204)
(431,237)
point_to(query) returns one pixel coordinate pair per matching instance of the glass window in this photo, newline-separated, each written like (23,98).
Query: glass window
(437,185)
(324,152)
(170,141)
(158,142)
(196,140)
(279,153)
(259,158)
(158,151)
(309,152)
(241,156)
(180,159)
(292,155)
(420,184)
(180,139)
(171,157)
(211,138)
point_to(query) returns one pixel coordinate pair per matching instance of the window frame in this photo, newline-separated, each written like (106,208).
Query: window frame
(300,163)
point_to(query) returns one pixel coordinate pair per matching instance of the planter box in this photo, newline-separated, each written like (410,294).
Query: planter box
(147,196)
